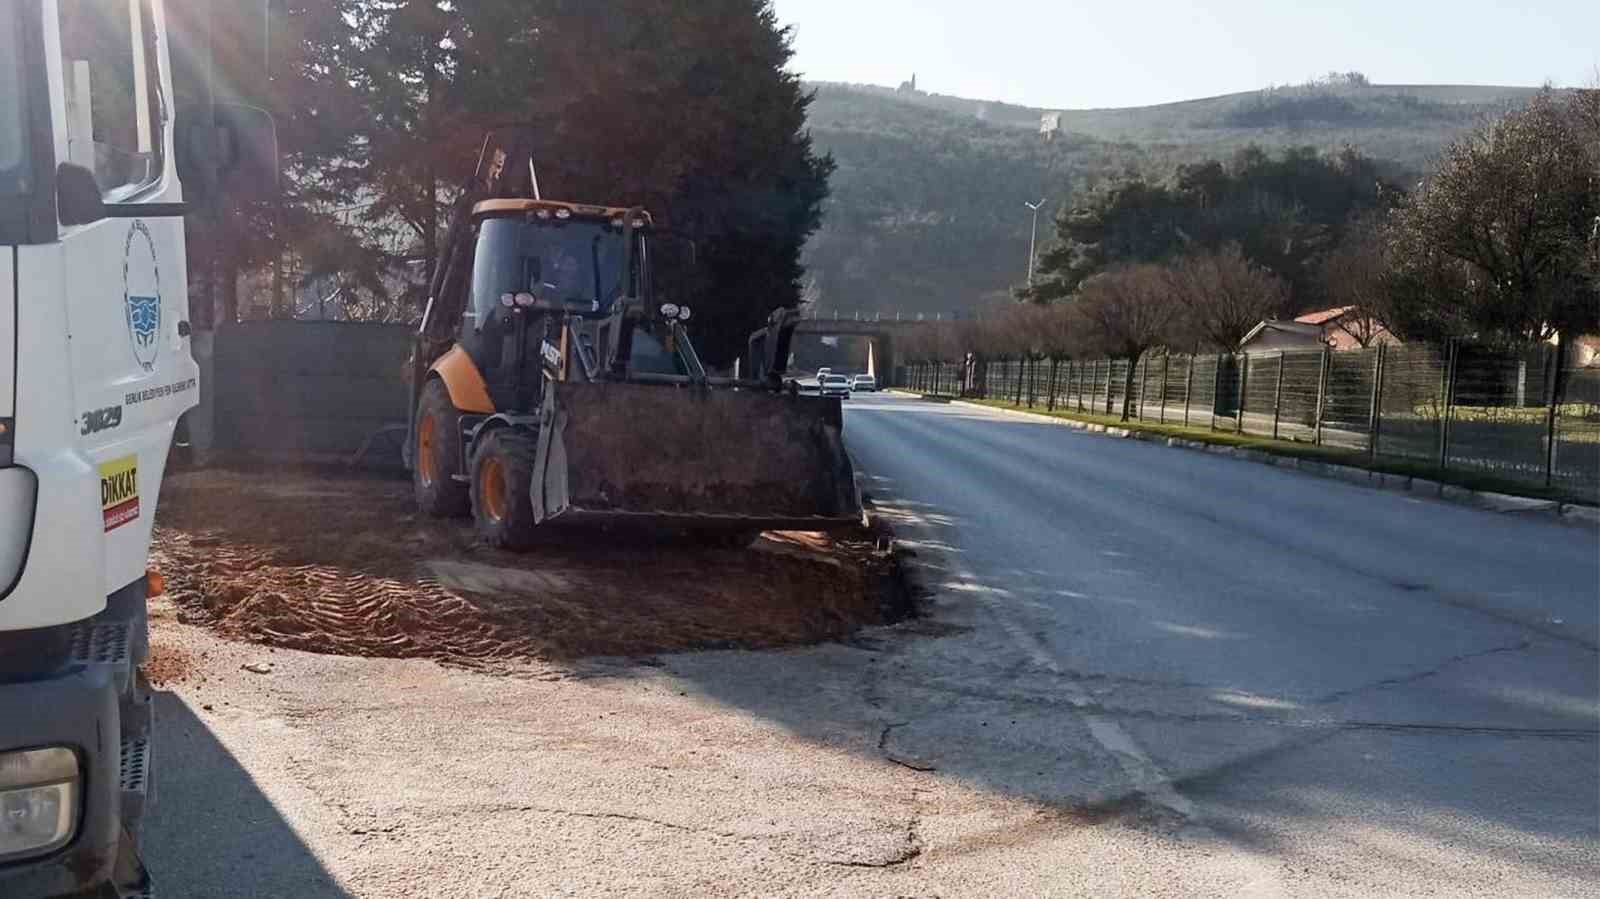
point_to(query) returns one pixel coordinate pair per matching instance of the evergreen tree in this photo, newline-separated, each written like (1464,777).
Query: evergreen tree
(1282,212)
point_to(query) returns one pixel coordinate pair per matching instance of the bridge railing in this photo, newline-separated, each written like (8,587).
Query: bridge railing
(880,315)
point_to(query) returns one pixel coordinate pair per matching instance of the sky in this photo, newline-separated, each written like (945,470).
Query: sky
(1077,54)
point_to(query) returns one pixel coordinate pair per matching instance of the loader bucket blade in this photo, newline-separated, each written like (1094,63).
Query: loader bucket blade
(693,457)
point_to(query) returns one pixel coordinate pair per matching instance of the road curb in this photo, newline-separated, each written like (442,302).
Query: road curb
(1499,503)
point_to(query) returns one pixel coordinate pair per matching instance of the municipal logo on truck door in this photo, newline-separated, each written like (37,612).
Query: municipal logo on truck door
(141,295)
(119,491)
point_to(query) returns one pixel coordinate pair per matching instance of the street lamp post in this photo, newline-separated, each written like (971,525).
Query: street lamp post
(1033,236)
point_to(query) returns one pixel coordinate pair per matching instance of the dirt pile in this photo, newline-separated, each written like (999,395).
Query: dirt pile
(344,565)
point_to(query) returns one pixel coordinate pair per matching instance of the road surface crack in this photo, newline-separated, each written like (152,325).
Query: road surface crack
(1386,683)
(905,761)
(910,851)
(611,816)
(1552,733)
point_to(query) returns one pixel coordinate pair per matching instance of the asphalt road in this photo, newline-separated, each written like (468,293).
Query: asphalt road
(1143,672)
(1335,680)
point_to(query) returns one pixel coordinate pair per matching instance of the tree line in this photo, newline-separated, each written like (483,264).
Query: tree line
(381,105)
(1501,243)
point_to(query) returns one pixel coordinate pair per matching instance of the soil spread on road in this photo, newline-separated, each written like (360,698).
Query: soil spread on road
(343,564)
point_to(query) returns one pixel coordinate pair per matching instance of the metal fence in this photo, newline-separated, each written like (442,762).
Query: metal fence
(1463,406)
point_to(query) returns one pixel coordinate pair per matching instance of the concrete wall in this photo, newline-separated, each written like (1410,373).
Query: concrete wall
(312,390)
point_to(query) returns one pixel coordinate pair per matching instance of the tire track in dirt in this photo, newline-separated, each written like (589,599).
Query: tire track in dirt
(341,564)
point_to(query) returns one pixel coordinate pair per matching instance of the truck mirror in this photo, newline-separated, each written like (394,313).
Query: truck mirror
(250,144)
(198,153)
(233,144)
(78,200)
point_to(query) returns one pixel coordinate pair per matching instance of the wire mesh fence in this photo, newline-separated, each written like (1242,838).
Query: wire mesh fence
(1499,411)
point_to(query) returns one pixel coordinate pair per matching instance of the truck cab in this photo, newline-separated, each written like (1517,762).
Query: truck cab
(95,370)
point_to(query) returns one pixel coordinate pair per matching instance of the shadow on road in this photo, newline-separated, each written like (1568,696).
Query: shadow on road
(212,832)
(1290,706)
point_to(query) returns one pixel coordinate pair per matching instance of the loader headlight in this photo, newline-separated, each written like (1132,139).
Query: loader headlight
(524,299)
(38,801)
(508,300)
(669,310)
(683,313)
(563,214)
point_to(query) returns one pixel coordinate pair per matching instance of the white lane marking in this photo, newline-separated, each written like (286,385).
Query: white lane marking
(1147,777)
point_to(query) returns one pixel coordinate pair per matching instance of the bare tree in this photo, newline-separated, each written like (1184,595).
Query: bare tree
(1499,242)
(1351,277)
(1586,118)
(1126,311)
(1224,295)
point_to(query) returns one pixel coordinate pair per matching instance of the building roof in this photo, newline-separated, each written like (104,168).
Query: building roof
(1324,316)
(1296,327)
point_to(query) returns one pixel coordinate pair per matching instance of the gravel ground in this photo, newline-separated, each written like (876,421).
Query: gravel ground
(330,776)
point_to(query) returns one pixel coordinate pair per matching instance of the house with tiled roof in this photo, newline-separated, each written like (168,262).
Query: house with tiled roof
(1342,328)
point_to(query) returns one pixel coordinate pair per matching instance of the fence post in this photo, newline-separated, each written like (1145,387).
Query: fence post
(1244,393)
(1144,387)
(1553,413)
(1166,369)
(1447,388)
(1216,391)
(1277,397)
(1188,389)
(1375,410)
(1109,367)
(1322,394)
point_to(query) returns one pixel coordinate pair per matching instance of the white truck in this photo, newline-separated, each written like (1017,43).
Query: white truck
(99,161)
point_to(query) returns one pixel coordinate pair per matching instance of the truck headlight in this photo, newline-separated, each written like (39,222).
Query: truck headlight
(38,801)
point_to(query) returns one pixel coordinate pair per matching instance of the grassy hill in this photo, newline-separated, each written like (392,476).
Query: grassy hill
(927,216)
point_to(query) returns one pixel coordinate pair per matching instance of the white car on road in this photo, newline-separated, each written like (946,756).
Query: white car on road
(835,385)
(864,383)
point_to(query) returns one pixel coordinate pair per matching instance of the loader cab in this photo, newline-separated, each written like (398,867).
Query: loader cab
(538,265)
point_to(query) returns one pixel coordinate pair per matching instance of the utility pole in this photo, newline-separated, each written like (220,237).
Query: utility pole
(1033,236)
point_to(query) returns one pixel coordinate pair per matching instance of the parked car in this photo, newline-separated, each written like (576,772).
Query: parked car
(864,383)
(835,385)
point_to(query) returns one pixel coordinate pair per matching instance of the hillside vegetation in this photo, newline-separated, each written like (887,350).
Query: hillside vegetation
(926,210)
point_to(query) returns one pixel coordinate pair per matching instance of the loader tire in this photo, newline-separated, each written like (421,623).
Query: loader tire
(733,539)
(436,454)
(502,471)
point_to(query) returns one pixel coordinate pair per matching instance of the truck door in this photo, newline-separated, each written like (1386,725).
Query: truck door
(126,297)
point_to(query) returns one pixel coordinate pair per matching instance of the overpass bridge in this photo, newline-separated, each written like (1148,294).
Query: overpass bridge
(881,331)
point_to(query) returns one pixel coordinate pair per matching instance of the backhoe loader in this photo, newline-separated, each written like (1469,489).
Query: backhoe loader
(552,385)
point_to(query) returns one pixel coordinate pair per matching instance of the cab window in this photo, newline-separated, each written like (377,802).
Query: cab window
(113,95)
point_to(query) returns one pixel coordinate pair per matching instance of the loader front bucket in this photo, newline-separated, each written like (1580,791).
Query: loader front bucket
(692,456)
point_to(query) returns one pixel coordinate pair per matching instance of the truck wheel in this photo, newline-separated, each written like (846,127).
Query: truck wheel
(436,458)
(502,472)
